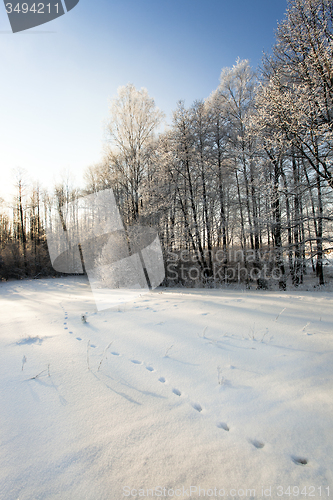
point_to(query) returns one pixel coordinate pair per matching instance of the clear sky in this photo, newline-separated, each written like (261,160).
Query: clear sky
(56,79)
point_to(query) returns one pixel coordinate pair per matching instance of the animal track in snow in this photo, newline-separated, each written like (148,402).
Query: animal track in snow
(222,425)
(78,338)
(65,317)
(196,406)
(257,444)
(299,460)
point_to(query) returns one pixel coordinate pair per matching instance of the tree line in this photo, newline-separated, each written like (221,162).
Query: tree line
(247,171)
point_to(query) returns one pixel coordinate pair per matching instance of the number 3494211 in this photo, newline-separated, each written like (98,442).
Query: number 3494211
(307,491)
(36,8)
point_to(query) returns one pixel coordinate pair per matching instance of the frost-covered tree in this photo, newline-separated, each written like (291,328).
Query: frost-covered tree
(237,90)
(134,119)
(295,114)
(298,95)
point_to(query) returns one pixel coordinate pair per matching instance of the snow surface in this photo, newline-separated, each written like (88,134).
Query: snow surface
(200,388)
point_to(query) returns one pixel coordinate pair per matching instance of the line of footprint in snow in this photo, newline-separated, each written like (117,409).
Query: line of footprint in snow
(175,391)
(196,406)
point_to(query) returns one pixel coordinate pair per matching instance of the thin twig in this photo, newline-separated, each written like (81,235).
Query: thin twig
(252,332)
(24,360)
(202,336)
(36,376)
(266,332)
(302,329)
(277,317)
(220,379)
(88,345)
(104,355)
(167,351)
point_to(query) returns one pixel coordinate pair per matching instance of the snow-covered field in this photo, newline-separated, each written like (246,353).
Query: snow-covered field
(202,393)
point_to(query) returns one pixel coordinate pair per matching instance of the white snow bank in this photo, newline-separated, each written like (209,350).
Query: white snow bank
(218,390)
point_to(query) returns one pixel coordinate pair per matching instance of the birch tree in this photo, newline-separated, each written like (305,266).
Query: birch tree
(134,118)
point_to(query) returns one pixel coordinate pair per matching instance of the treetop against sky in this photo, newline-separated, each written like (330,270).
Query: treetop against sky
(59,76)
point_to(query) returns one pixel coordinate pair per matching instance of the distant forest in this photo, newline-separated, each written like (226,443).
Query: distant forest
(242,177)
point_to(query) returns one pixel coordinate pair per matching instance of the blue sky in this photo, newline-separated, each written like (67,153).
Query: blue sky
(57,78)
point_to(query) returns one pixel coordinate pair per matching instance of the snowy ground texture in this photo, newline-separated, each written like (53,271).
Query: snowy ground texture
(226,391)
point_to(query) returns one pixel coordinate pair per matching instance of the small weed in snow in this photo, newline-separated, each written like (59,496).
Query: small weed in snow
(202,336)
(255,336)
(41,373)
(38,375)
(88,345)
(83,318)
(220,378)
(302,329)
(277,317)
(264,335)
(24,360)
(167,351)
(252,332)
